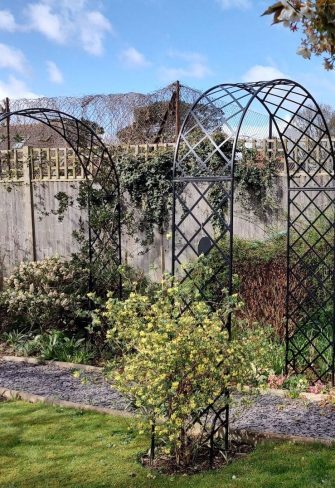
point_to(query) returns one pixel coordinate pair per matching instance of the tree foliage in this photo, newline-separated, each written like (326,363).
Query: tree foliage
(316,21)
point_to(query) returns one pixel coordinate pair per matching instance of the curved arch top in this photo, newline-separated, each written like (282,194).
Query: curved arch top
(218,130)
(101,187)
(81,137)
(296,120)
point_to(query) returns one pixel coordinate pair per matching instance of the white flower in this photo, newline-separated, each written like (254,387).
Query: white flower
(289,15)
(307,11)
(304,52)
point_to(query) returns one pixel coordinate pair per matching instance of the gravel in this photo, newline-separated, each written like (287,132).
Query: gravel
(262,413)
(295,417)
(90,388)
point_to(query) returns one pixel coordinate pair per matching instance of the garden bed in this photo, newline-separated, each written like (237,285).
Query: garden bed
(271,414)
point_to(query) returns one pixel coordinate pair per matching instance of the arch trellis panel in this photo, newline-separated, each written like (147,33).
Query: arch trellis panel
(99,190)
(209,148)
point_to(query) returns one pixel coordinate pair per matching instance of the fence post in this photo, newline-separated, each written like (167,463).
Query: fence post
(162,254)
(29,207)
(7,109)
(177,109)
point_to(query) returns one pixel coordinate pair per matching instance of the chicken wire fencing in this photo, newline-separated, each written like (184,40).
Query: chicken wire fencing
(125,118)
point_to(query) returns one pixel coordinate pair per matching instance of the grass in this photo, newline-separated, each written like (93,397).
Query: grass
(48,447)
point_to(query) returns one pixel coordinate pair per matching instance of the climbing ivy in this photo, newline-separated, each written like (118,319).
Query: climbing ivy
(146,187)
(146,182)
(255,177)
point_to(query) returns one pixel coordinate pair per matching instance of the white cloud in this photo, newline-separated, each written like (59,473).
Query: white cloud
(44,21)
(196,67)
(133,58)
(263,73)
(93,30)
(239,4)
(12,58)
(7,21)
(55,74)
(63,21)
(15,88)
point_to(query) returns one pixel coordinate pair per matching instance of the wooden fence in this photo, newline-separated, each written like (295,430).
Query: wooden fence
(55,163)
(52,164)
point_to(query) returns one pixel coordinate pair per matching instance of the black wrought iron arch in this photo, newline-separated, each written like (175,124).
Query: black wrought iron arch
(208,149)
(101,187)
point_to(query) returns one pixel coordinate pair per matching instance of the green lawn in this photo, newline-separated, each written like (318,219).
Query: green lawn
(42,447)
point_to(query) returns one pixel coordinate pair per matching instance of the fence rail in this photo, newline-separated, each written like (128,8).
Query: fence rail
(52,164)
(57,163)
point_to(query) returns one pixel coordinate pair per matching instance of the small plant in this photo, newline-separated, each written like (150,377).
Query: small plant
(276,381)
(56,345)
(15,338)
(317,388)
(296,385)
(53,345)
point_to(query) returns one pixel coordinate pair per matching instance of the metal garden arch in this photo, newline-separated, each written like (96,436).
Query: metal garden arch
(101,179)
(206,154)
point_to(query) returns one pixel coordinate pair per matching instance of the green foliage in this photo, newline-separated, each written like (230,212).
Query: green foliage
(53,345)
(174,364)
(256,176)
(296,385)
(15,338)
(262,338)
(147,180)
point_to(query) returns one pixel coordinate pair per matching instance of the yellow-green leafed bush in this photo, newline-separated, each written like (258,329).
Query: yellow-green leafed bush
(176,362)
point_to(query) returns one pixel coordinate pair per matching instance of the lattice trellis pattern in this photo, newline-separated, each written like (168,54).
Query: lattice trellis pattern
(209,146)
(100,188)
(310,310)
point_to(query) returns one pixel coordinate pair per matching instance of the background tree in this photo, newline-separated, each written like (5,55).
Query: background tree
(315,19)
(315,129)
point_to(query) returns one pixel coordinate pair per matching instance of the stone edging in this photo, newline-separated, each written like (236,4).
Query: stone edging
(311,397)
(246,435)
(255,437)
(60,364)
(49,400)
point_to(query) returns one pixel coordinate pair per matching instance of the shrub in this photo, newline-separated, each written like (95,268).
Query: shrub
(259,278)
(176,362)
(44,295)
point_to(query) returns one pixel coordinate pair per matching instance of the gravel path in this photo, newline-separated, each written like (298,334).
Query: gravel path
(268,413)
(264,413)
(49,380)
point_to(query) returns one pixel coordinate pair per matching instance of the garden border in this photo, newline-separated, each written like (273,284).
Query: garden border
(243,434)
(311,397)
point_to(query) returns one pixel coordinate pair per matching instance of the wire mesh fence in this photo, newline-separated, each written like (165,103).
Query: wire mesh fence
(125,118)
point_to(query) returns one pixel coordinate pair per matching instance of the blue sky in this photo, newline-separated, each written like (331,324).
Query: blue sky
(76,47)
